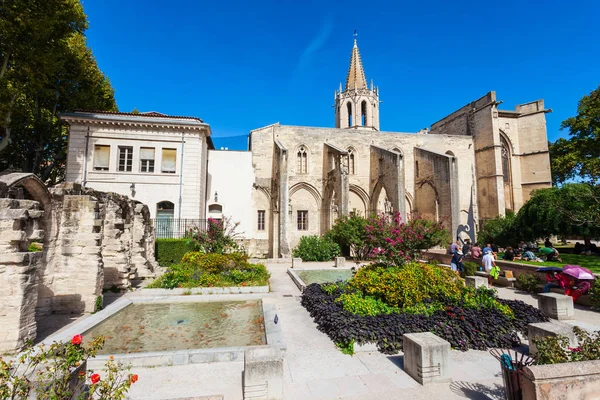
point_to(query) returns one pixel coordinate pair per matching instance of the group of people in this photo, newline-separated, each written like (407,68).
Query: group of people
(488,260)
(573,287)
(524,252)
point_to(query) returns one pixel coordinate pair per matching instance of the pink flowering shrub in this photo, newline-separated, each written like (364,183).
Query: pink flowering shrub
(218,237)
(396,243)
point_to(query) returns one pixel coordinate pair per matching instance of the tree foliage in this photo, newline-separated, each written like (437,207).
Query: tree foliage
(46,68)
(579,156)
(499,230)
(350,233)
(570,210)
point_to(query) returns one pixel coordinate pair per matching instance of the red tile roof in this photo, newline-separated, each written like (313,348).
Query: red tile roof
(152,114)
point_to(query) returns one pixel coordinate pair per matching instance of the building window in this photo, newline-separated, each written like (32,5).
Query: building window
(169,161)
(303,220)
(261,220)
(101,157)
(302,160)
(125,159)
(363,113)
(351,161)
(146,159)
(505,163)
(349,105)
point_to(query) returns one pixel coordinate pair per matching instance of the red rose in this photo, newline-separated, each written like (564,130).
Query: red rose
(95,378)
(77,339)
(133,379)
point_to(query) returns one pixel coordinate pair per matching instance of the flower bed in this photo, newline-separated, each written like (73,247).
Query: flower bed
(379,305)
(198,269)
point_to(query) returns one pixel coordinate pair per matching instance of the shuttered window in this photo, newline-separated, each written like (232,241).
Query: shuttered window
(146,159)
(101,157)
(169,161)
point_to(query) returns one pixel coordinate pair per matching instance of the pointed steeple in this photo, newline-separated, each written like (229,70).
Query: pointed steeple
(356,75)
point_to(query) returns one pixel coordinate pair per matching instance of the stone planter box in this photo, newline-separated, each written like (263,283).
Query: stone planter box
(568,381)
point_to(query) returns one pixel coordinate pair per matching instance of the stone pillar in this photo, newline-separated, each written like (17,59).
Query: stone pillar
(263,373)
(18,297)
(116,238)
(426,357)
(557,306)
(142,247)
(476,281)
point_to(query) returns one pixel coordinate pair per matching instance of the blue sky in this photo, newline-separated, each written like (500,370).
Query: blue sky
(242,65)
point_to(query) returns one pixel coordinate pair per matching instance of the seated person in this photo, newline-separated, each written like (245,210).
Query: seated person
(528,255)
(476,251)
(494,247)
(487,249)
(509,255)
(577,288)
(548,243)
(555,280)
(466,247)
(549,253)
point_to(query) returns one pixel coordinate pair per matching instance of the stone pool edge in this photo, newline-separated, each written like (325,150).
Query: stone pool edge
(273,334)
(297,280)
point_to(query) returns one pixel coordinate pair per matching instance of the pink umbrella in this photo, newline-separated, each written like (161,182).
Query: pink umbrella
(577,271)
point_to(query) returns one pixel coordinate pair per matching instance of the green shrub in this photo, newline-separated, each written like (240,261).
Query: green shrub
(170,251)
(529,282)
(555,349)
(499,230)
(595,294)
(351,235)
(471,268)
(358,304)
(408,285)
(198,269)
(315,248)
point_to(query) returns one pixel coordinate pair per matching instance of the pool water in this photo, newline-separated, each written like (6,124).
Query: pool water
(324,275)
(181,326)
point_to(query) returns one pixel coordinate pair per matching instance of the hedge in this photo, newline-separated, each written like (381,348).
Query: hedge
(170,251)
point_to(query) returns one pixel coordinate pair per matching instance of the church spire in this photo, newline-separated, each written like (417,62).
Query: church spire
(356,75)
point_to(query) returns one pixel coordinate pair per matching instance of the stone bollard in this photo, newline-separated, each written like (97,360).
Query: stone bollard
(557,306)
(476,281)
(296,262)
(426,358)
(340,262)
(543,329)
(263,373)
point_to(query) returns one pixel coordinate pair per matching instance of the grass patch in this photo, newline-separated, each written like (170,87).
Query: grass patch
(590,262)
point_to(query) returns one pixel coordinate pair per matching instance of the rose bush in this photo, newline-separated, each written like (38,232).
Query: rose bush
(46,372)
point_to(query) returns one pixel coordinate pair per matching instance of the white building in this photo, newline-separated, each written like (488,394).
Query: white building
(158,159)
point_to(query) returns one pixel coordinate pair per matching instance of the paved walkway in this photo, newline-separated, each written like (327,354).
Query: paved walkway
(315,369)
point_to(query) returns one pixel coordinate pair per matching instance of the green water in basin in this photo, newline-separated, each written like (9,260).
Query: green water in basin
(324,275)
(181,326)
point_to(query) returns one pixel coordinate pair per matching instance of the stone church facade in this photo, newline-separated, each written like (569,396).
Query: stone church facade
(472,165)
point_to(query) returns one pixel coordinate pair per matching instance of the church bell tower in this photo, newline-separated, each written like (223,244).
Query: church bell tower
(357,106)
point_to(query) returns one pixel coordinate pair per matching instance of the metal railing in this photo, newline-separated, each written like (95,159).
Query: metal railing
(175,228)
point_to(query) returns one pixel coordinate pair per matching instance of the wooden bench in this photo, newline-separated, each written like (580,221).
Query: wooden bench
(501,281)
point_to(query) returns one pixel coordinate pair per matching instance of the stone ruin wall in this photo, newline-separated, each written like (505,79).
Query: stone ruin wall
(91,241)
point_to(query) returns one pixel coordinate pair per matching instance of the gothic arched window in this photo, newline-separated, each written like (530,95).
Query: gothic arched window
(505,162)
(363,113)
(351,168)
(349,105)
(302,160)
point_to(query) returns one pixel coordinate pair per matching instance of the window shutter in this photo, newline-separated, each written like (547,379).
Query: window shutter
(169,160)
(101,156)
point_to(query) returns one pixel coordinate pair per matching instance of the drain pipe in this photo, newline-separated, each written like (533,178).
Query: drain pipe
(85,161)
(181,175)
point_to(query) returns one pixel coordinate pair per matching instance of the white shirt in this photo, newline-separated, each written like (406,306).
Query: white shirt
(488,261)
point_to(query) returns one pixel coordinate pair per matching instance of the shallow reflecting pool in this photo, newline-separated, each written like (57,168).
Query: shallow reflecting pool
(324,275)
(181,326)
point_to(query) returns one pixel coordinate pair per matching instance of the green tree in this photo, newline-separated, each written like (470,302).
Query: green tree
(579,156)
(570,210)
(499,230)
(350,233)
(47,69)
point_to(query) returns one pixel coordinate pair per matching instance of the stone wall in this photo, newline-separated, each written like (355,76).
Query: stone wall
(19,225)
(91,240)
(567,381)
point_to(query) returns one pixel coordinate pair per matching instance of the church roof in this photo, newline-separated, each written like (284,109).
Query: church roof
(356,74)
